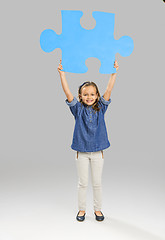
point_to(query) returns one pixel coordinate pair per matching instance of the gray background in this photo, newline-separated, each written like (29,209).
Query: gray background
(38,176)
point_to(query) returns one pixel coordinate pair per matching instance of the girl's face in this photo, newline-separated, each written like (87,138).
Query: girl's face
(88,95)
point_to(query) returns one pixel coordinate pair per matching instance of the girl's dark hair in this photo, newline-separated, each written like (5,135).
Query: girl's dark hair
(95,106)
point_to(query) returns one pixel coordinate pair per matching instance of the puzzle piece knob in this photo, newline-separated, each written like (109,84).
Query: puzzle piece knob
(125,46)
(49,40)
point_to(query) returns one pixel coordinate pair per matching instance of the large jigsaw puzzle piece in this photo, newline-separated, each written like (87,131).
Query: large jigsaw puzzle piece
(78,44)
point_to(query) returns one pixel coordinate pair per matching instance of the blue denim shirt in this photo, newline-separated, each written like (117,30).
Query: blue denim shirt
(90,133)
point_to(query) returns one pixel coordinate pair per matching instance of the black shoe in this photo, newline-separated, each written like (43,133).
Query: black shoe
(80,218)
(99,218)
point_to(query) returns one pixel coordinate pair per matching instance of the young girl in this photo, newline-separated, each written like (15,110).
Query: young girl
(89,138)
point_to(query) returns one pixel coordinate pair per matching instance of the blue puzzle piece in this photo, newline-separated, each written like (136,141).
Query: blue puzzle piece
(78,44)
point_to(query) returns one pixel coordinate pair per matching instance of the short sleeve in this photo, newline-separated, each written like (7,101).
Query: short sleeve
(73,106)
(104,103)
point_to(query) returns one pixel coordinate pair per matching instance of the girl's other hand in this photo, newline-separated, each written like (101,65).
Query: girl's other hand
(116,65)
(59,67)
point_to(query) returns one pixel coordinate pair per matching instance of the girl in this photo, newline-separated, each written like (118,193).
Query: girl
(89,138)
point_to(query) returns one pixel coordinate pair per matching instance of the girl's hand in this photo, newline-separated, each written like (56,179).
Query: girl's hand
(116,65)
(59,67)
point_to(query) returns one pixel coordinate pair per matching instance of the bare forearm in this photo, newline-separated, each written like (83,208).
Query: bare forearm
(110,85)
(64,83)
(111,82)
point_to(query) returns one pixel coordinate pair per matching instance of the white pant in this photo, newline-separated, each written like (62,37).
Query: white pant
(96,160)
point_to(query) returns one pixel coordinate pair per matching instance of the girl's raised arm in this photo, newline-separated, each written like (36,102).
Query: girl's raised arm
(65,84)
(111,83)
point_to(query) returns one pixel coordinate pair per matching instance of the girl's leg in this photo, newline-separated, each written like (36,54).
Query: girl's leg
(82,162)
(97,162)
